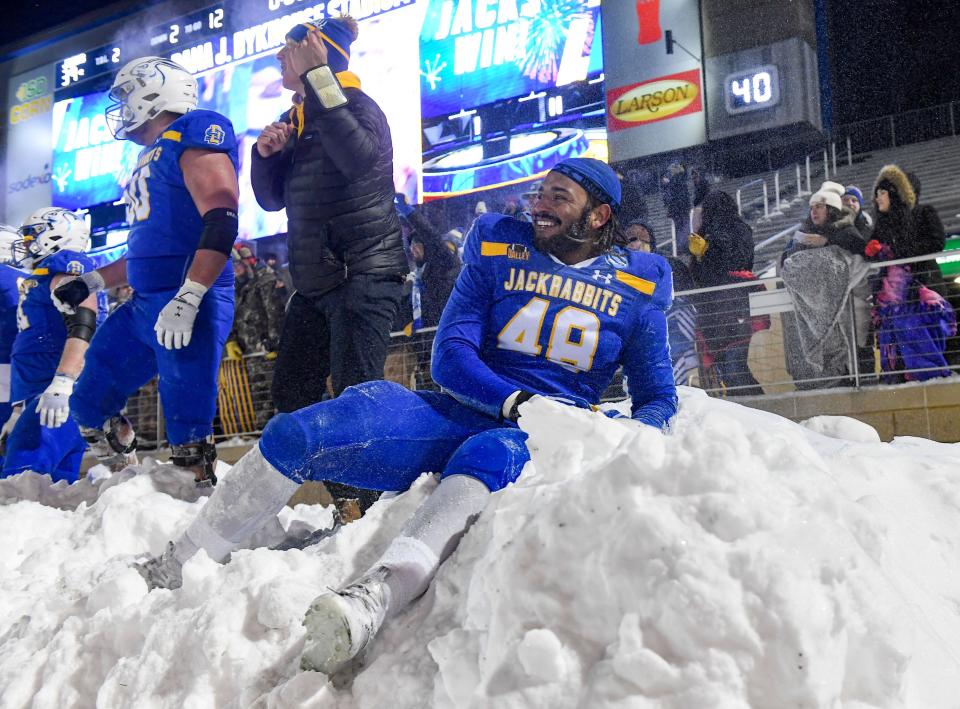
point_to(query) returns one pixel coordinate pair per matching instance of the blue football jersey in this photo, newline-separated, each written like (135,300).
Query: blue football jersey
(42,332)
(521,319)
(165,225)
(10,279)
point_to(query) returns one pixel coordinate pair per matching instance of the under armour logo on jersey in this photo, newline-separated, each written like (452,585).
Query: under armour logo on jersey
(214,135)
(599,275)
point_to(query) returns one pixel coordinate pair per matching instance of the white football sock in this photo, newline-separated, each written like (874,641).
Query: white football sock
(246,499)
(430,536)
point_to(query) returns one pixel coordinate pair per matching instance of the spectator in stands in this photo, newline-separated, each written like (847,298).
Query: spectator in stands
(682,315)
(258,315)
(827,224)
(436,265)
(722,249)
(701,186)
(912,318)
(853,200)
(824,272)
(633,206)
(676,197)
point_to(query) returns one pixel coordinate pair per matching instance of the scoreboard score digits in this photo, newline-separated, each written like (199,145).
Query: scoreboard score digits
(752,90)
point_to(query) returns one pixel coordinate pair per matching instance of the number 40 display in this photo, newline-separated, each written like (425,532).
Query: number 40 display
(752,90)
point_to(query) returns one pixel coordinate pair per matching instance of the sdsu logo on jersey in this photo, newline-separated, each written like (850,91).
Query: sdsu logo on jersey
(75,268)
(214,135)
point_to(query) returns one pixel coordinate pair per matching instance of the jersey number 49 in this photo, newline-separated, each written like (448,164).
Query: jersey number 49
(574,334)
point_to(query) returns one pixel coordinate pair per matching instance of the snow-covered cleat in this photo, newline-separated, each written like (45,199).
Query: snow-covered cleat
(164,571)
(314,537)
(200,457)
(115,445)
(340,624)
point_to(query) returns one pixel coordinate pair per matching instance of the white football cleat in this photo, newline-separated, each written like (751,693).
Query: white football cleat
(340,624)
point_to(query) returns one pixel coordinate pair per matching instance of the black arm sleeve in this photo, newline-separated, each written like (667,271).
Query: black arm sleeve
(220,227)
(81,324)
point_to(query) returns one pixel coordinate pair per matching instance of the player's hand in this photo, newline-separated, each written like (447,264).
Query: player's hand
(174,326)
(8,427)
(73,290)
(513,414)
(273,138)
(54,404)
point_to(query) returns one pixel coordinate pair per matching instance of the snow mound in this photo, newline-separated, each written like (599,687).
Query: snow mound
(741,561)
(843,427)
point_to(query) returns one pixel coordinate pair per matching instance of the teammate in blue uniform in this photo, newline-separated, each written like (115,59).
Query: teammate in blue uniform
(48,351)
(550,308)
(10,279)
(181,207)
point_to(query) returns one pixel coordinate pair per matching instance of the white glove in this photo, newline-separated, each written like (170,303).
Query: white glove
(73,290)
(9,425)
(175,324)
(54,404)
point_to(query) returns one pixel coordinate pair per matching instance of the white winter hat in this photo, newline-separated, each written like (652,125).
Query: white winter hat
(830,193)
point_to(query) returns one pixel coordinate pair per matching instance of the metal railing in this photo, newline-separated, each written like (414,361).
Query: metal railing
(915,126)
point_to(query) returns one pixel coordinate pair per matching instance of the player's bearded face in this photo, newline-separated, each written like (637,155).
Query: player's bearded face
(564,238)
(561,216)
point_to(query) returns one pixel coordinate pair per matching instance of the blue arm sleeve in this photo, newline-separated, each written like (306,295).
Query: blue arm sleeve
(456,362)
(649,371)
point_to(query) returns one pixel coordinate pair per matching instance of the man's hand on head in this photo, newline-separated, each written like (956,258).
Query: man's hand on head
(309,53)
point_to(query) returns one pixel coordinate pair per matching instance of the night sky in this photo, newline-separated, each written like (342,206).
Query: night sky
(887,56)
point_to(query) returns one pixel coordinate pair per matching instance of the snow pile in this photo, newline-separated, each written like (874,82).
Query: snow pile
(742,561)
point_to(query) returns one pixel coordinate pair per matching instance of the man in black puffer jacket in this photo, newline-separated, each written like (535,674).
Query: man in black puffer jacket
(329,162)
(331,167)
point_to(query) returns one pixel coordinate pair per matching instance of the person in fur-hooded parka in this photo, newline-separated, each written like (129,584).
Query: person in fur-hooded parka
(908,228)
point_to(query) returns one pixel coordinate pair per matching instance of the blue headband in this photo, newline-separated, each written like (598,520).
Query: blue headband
(594,176)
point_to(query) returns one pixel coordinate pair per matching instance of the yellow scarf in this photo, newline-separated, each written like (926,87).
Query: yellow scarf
(347,79)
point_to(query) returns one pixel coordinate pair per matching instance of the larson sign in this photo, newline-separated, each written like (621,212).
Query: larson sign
(665,97)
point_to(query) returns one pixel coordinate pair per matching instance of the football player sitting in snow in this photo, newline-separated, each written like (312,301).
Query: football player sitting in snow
(48,351)
(550,308)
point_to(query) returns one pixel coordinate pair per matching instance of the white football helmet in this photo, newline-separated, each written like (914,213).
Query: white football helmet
(8,236)
(47,231)
(146,87)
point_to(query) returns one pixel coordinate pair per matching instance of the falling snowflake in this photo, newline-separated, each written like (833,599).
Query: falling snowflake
(431,71)
(546,35)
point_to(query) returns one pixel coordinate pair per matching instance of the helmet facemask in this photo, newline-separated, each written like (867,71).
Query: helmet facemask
(48,231)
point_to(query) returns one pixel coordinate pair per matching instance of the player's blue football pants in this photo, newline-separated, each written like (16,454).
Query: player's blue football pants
(124,355)
(382,436)
(55,451)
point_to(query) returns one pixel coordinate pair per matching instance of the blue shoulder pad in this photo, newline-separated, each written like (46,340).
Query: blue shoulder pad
(651,270)
(203,129)
(73,263)
(495,235)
